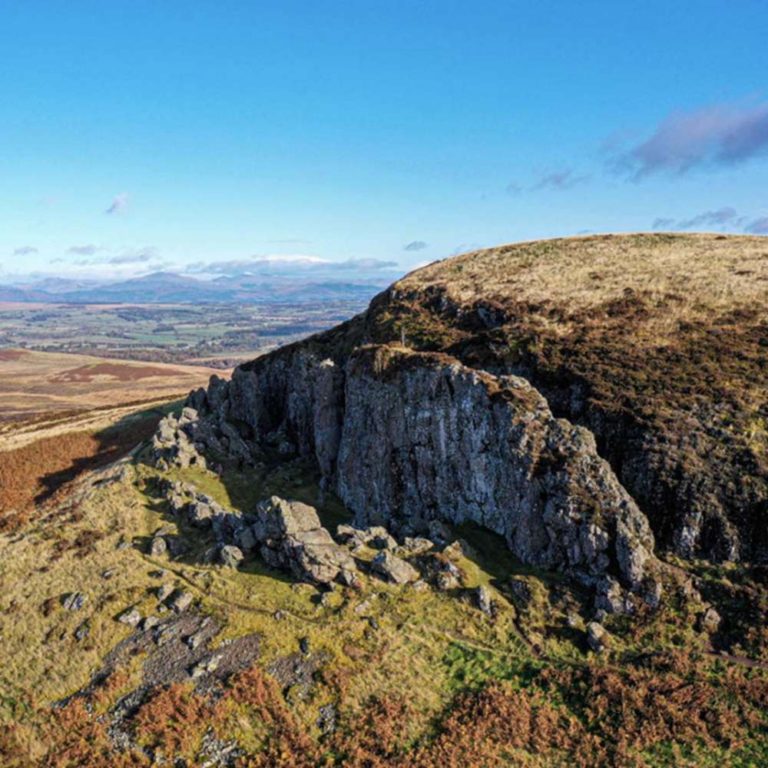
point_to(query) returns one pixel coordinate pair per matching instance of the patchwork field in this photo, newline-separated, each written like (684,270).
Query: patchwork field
(212,335)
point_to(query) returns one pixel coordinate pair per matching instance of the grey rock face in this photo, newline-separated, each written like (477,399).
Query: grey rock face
(461,445)
(415,440)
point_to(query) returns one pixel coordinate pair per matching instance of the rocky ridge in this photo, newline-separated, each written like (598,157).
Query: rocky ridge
(406,439)
(654,343)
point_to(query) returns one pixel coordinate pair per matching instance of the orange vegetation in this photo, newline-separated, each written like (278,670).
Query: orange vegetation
(35,472)
(588,717)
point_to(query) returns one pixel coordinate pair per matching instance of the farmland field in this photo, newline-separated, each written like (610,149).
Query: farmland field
(214,335)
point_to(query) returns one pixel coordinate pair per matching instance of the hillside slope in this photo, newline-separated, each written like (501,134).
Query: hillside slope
(657,344)
(442,534)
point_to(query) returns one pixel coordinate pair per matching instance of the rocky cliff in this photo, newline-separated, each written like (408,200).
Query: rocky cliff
(405,438)
(578,418)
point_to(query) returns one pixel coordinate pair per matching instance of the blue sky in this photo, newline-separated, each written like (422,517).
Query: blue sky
(136,135)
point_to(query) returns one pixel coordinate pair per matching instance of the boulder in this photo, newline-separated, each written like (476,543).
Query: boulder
(708,621)
(181,600)
(130,616)
(73,601)
(597,636)
(446,581)
(378,537)
(610,597)
(458,549)
(82,631)
(393,568)
(484,601)
(164,591)
(292,538)
(417,545)
(315,556)
(200,514)
(231,556)
(158,546)
(276,518)
(149,623)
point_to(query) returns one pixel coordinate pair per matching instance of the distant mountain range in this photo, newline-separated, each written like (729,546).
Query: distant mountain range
(169,287)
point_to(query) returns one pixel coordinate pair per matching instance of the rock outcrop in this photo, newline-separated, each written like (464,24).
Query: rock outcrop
(292,538)
(668,386)
(411,439)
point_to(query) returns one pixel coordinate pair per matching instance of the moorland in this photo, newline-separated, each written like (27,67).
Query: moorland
(513,514)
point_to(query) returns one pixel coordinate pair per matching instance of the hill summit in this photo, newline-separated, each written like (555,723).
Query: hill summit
(653,345)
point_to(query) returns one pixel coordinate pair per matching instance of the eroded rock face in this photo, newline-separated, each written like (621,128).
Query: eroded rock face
(427,438)
(408,439)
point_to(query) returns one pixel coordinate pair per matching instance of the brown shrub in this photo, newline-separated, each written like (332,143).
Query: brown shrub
(175,719)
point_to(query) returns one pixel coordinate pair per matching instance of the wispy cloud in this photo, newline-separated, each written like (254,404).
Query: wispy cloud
(513,188)
(725,218)
(84,250)
(415,245)
(126,257)
(717,135)
(758,226)
(564,178)
(286,264)
(119,204)
(722,217)
(363,264)
(25,250)
(136,256)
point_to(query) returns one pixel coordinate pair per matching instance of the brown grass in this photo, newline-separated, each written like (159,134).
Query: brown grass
(34,473)
(706,273)
(116,371)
